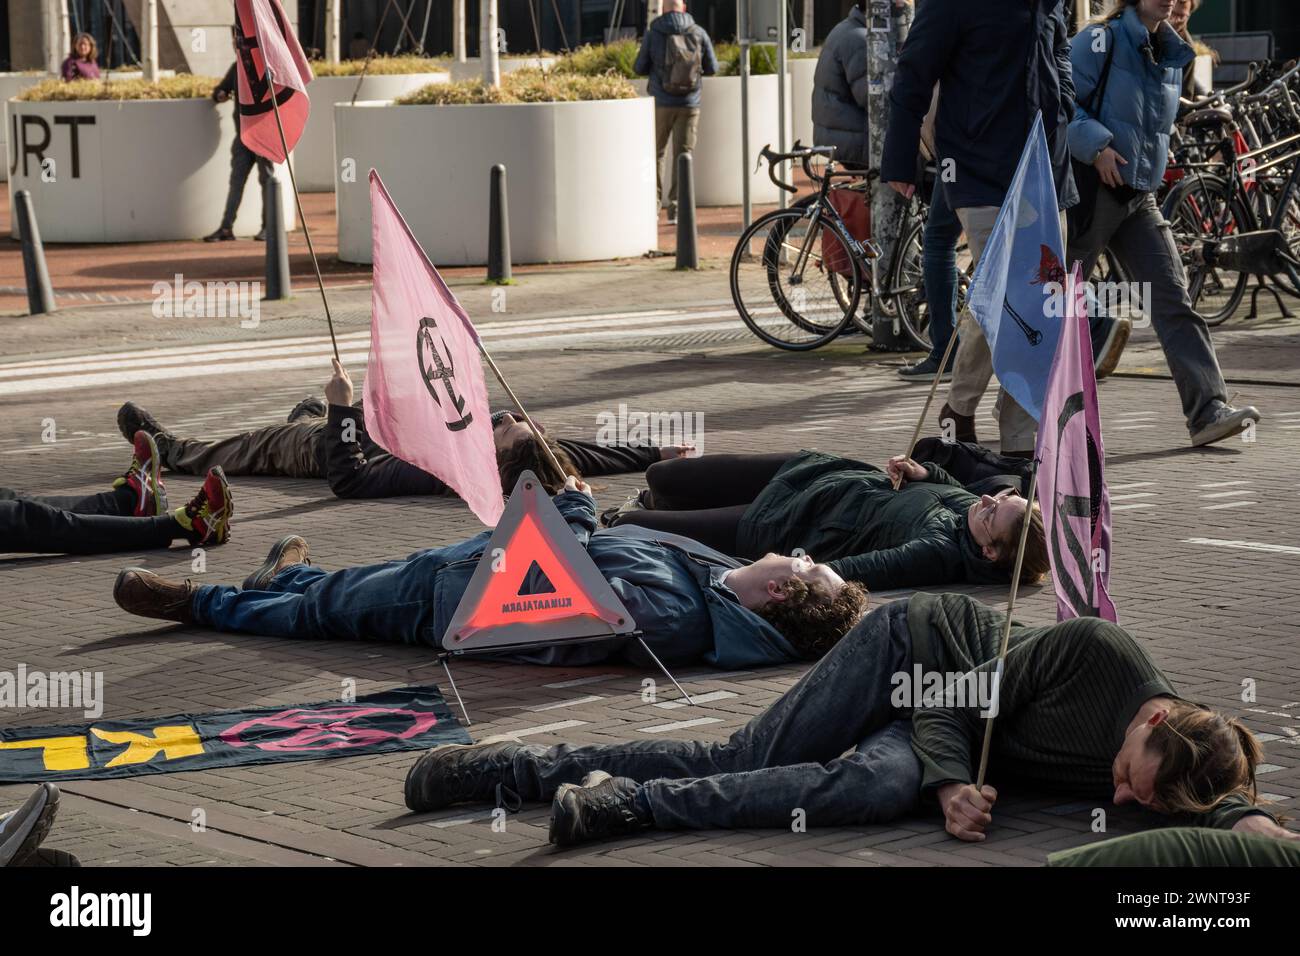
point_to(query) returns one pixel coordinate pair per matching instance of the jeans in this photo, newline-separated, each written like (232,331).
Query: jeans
(76,524)
(682,123)
(1140,236)
(290,450)
(242,161)
(939,269)
(833,746)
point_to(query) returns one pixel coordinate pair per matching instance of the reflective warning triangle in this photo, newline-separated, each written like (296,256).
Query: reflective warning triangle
(493,613)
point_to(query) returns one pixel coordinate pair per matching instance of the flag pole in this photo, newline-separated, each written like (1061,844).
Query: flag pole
(293,182)
(1006,628)
(550,455)
(929,399)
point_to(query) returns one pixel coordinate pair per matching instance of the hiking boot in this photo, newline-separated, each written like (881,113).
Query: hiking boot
(924,371)
(206,519)
(1109,336)
(1224,422)
(22,831)
(146,594)
(220,235)
(635,502)
(285,553)
(964,425)
(462,773)
(131,418)
(597,811)
(310,407)
(144,479)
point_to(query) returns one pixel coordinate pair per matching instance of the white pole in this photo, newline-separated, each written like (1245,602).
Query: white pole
(333,39)
(458,30)
(487,43)
(653,8)
(782,28)
(56,47)
(742,39)
(149,40)
(1082,11)
(808,22)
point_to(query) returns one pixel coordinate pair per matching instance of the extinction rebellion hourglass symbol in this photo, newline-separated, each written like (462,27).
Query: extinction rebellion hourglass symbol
(434,369)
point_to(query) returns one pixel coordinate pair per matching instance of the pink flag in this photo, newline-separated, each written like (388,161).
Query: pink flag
(1071,484)
(266,43)
(426,401)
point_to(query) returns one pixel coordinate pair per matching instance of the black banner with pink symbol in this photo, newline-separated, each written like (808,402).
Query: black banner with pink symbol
(408,718)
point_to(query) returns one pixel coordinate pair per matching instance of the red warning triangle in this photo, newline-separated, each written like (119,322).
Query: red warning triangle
(493,613)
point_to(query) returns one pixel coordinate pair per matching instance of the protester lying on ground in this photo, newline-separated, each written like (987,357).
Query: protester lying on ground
(930,531)
(689,602)
(132,516)
(1183,847)
(312,445)
(863,738)
(23,830)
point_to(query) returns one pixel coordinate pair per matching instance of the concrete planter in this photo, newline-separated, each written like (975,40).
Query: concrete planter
(313,158)
(580,177)
(801,88)
(472,69)
(11,84)
(130,171)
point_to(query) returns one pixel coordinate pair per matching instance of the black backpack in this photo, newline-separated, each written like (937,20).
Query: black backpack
(683,64)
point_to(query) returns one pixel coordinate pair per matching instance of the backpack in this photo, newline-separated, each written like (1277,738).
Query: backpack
(683,64)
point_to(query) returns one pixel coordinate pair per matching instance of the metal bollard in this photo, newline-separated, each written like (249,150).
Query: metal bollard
(498,228)
(278,282)
(40,297)
(688,245)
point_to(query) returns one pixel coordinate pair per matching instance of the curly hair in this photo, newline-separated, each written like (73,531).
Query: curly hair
(813,620)
(527,455)
(1205,758)
(1036,562)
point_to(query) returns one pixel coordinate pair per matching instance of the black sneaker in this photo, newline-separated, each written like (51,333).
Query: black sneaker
(131,418)
(313,406)
(1109,336)
(22,831)
(924,370)
(601,808)
(461,773)
(221,235)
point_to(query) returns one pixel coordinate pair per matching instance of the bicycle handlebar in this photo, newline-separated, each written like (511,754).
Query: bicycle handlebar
(1190,105)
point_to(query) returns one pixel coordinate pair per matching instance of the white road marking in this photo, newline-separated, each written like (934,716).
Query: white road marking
(567,703)
(1244,545)
(547,728)
(698,698)
(1133,506)
(1225,484)
(680,725)
(579,681)
(1230,504)
(1230,494)
(1135,494)
(1131,484)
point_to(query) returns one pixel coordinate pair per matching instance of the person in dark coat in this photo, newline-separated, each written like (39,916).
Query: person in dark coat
(242,161)
(929,531)
(839,97)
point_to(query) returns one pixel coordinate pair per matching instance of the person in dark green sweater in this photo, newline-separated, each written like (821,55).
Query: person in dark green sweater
(930,531)
(1081,709)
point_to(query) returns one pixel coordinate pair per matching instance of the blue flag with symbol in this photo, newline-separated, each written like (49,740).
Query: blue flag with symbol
(1017,291)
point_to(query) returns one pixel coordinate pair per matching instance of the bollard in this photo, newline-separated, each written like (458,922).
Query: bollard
(40,297)
(688,246)
(278,283)
(498,228)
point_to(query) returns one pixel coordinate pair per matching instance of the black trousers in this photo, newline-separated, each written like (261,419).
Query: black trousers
(92,524)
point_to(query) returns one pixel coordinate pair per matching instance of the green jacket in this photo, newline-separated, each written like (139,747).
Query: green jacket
(847,513)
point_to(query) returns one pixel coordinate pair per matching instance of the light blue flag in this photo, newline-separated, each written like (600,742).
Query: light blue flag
(1016,294)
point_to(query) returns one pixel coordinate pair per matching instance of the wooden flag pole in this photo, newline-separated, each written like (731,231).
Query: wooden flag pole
(293,182)
(929,399)
(1006,628)
(537,432)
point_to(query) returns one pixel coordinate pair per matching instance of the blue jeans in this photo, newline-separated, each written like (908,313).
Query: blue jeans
(395,601)
(791,757)
(939,268)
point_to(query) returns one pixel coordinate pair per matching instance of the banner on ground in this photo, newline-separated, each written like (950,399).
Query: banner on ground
(408,718)
(1071,475)
(426,400)
(1019,275)
(266,40)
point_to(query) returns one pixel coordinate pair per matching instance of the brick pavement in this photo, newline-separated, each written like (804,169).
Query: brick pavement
(1212,616)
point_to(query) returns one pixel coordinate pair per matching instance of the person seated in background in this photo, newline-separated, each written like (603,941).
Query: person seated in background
(82,63)
(132,516)
(930,531)
(1081,709)
(689,602)
(328,439)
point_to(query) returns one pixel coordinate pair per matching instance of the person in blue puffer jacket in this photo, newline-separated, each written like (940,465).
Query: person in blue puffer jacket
(1121,127)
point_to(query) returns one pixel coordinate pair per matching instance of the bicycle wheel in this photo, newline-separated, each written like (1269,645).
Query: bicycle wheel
(907,284)
(840,286)
(782,282)
(1202,208)
(1287,219)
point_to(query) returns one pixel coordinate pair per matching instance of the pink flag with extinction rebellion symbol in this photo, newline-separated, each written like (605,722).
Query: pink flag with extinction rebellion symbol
(426,401)
(267,47)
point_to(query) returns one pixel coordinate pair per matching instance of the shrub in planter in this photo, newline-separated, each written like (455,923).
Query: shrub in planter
(183,87)
(379,66)
(597,59)
(523,86)
(762,59)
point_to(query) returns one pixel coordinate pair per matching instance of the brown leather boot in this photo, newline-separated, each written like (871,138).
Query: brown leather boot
(964,424)
(285,553)
(142,592)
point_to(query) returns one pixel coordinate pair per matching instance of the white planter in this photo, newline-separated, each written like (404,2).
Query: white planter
(719,180)
(801,89)
(11,84)
(313,157)
(472,69)
(580,177)
(144,170)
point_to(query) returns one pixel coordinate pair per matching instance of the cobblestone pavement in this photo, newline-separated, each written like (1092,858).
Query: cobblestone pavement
(1205,570)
